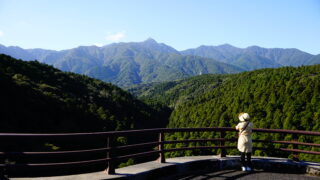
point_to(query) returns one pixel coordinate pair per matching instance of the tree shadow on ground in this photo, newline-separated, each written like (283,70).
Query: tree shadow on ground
(237,174)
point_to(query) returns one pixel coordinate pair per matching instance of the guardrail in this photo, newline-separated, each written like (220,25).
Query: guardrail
(111,158)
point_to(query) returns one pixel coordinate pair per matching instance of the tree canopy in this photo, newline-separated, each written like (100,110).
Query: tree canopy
(282,98)
(39,98)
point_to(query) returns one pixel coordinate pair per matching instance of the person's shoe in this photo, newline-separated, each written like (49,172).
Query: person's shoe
(244,168)
(248,169)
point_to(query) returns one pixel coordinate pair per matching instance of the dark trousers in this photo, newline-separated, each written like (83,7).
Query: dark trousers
(243,159)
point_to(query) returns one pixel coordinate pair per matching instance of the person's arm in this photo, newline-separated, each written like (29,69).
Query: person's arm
(237,127)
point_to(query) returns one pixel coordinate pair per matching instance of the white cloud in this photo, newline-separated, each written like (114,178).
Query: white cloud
(115,37)
(1,33)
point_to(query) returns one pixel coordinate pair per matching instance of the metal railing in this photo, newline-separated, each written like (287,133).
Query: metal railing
(157,147)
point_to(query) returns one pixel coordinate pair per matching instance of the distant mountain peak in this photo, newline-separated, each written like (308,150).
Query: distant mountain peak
(226,45)
(150,40)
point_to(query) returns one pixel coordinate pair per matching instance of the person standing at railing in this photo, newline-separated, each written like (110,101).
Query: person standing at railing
(245,141)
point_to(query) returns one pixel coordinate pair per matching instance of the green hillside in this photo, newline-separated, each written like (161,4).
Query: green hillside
(39,98)
(174,93)
(283,98)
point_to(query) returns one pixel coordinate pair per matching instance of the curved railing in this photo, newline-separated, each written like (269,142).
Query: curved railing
(10,164)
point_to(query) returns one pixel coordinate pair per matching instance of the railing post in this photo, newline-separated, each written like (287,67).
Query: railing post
(161,148)
(222,143)
(110,169)
(295,146)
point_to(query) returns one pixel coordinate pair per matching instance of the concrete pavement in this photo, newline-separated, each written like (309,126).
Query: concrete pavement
(212,165)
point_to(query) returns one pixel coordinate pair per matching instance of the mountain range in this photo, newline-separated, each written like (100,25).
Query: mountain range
(254,57)
(126,64)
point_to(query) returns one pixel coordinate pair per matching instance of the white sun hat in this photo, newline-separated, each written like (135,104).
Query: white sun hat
(244,116)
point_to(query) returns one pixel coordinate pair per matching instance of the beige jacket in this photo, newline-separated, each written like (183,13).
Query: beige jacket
(245,140)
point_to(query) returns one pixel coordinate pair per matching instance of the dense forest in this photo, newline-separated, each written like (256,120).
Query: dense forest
(174,93)
(39,98)
(283,98)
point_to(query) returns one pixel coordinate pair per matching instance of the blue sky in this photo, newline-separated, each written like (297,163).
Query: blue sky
(182,24)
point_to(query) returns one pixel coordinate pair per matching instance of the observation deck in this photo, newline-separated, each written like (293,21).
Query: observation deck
(148,147)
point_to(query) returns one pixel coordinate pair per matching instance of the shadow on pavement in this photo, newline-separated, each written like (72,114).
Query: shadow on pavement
(237,174)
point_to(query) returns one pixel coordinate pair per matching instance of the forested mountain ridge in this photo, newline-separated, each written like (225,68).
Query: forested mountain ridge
(288,96)
(254,57)
(126,64)
(268,94)
(284,98)
(281,98)
(174,93)
(36,97)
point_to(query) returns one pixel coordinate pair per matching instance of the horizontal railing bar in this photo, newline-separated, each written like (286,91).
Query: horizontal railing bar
(288,150)
(233,147)
(198,140)
(117,133)
(300,151)
(157,130)
(81,151)
(75,163)
(218,129)
(149,144)
(314,133)
(55,152)
(134,146)
(143,154)
(53,134)
(288,142)
(198,147)
(104,160)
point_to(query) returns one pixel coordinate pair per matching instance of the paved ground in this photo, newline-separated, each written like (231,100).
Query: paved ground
(177,168)
(233,174)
